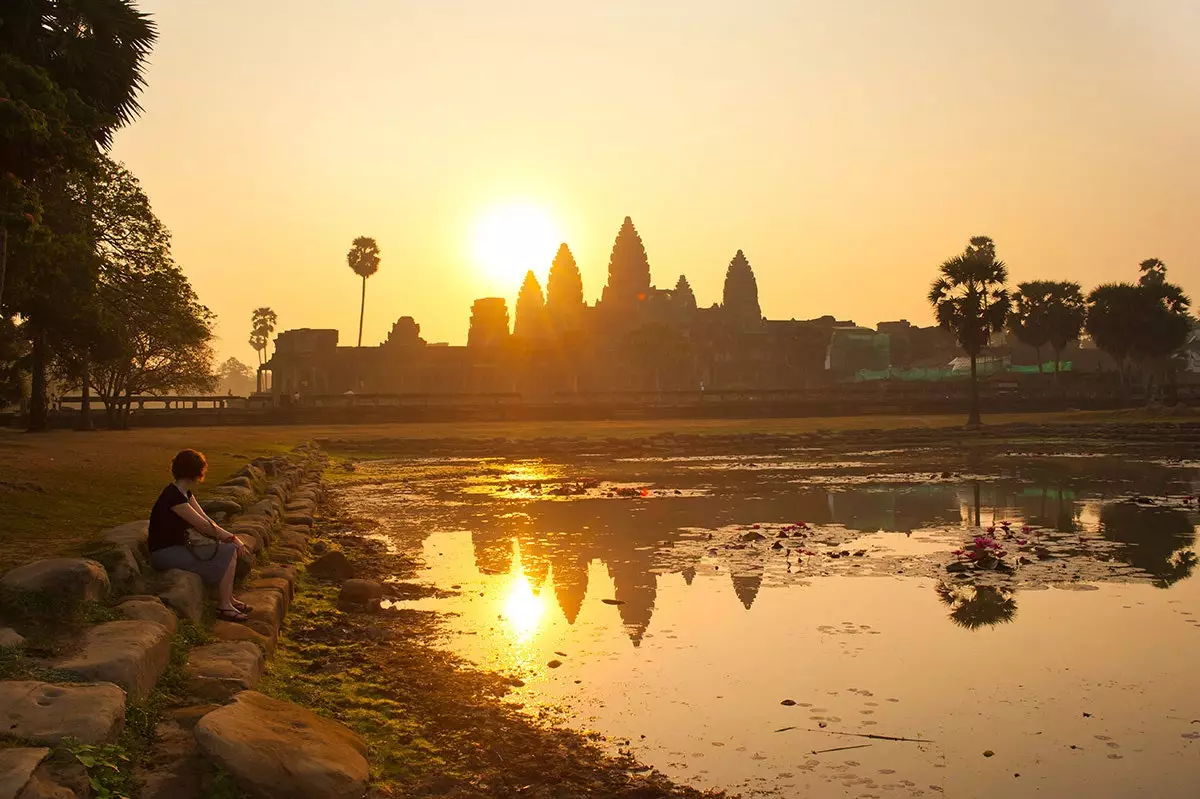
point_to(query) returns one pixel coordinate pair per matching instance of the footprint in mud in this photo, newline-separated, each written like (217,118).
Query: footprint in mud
(867,712)
(887,771)
(718,743)
(870,723)
(1116,757)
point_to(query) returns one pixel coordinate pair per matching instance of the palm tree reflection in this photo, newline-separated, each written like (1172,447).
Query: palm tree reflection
(976,606)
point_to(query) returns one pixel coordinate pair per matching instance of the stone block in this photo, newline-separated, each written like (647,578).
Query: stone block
(149,608)
(183,592)
(303,519)
(124,569)
(16,769)
(132,654)
(268,606)
(10,638)
(278,750)
(277,584)
(65,579)
(218,671)
(47,713)
(287,555)
(220,505)
(232,631)
(283,572)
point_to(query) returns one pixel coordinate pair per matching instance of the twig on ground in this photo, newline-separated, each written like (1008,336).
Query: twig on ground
(840,749)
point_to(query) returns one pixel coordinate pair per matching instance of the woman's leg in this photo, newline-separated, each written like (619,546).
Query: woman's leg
(227,552)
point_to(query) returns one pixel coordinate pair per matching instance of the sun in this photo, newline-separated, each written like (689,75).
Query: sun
(509,240)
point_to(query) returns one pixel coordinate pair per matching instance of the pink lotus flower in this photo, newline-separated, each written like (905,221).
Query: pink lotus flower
(991,529)
(1022,541)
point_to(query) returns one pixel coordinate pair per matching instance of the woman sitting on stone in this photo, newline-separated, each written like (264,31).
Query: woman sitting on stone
(175,514)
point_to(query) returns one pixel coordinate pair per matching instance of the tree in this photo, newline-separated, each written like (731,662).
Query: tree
(970,300)
(1047,312)
(740,299)
(163,336)
(262,325)
(628,269)
(530,321)
(364,261)
(564,292)
(685,298)
(1140,324)
(69,76)
(235,377)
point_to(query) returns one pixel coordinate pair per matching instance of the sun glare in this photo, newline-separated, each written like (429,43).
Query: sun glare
(523,608)
(512,239)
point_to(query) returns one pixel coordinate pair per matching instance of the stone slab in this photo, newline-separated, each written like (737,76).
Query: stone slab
(150,608)
(268,606)
(183,592)
(70,579)
(16,768)
(47,713)
(278,750)
(218,671)
(233,631)
(132,654)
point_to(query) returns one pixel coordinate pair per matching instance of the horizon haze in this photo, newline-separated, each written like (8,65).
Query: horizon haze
(838,146)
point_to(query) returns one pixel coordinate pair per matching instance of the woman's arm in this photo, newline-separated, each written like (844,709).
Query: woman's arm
(196,507)
(200,522)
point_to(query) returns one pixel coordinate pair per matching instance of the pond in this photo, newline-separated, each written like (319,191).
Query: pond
(771,624)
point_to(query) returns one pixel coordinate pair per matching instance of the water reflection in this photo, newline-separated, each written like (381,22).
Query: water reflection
(976,606)
(1155,540)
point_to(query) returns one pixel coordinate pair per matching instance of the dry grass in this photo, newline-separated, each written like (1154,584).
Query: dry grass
(59,489)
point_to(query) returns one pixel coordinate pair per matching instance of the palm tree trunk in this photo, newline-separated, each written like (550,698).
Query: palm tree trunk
(3,258)
(362,310)
(37,400)
(1039,359)
(85,406)
(973,416)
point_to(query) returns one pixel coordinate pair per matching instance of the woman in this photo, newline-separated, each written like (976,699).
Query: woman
(176,513)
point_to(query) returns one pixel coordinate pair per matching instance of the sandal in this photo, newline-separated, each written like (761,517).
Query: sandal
(231,614)
(242,606)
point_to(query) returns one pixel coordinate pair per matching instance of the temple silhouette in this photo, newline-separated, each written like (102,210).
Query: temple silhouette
(636,337)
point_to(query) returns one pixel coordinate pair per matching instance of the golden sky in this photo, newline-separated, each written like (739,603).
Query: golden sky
(847,147)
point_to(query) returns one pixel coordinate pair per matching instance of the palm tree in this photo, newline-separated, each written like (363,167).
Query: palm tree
(1048,312)
(94,53)
(364,260)
(262,325)
(970,300)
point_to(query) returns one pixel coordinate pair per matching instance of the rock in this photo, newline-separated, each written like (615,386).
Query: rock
(332,566)
(287,555)
(183,592)
(58,777)
(277,750)
(283,572)
(278,584)
(232,631)
(236,493)
(124,570)
(149,608)
(360,591)
(132,654)
(295,518)
(16,769)
(244,482)
(62,579)
(218,671)
(267,604)
(10,638)
(253,472)
(220,505)
(46,713)
(301,506)
(290,537)
(132,535)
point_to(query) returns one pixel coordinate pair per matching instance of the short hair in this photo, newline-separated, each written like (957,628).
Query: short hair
(189,465)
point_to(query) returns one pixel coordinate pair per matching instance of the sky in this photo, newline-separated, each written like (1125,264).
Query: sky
(847,148)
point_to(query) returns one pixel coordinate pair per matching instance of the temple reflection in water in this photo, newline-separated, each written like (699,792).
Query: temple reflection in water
(549,549)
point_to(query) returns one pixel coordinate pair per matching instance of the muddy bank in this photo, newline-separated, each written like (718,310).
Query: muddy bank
(1181,436)
(435,725)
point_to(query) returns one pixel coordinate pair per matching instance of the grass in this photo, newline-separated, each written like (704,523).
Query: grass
(59,489)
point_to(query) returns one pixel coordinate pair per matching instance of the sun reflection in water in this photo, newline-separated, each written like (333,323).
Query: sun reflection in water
(523,607)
